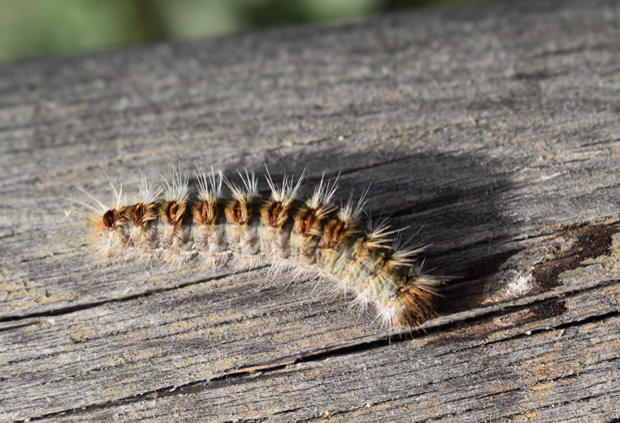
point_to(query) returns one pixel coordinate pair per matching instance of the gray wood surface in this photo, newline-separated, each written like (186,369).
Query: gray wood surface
(492,132)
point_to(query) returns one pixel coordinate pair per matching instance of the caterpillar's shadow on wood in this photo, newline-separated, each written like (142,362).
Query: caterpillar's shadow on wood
(451,203)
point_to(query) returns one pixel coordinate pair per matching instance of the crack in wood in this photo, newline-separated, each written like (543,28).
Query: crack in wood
(90,305)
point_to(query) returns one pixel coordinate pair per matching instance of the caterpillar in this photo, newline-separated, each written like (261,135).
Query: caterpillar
(312,236)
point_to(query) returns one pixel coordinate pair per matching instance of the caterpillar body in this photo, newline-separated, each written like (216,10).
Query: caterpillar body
(311,236)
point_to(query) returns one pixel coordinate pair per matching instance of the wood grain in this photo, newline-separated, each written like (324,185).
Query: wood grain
(492,132)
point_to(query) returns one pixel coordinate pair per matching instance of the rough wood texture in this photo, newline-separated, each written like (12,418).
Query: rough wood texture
(492,130)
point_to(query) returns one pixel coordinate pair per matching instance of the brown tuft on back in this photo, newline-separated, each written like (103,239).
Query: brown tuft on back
(305,222)
(274,214)
(205,213)
(137,213)
(238,212)
(171,211)
(110,219)
(334,233)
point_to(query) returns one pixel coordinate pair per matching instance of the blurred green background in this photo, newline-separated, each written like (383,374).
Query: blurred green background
(30,28)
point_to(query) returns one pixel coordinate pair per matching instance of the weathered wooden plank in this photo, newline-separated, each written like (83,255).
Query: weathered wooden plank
(493,131)
(529,361)
(402,383)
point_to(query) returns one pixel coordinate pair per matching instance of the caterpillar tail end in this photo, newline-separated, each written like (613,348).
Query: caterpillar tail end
(413,304)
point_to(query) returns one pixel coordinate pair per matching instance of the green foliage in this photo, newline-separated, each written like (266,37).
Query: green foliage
(50,27)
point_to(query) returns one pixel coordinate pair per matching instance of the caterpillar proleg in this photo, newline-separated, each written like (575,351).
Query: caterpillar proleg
(312,236)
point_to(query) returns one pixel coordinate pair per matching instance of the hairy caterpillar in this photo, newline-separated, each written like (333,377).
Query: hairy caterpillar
(310,236)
